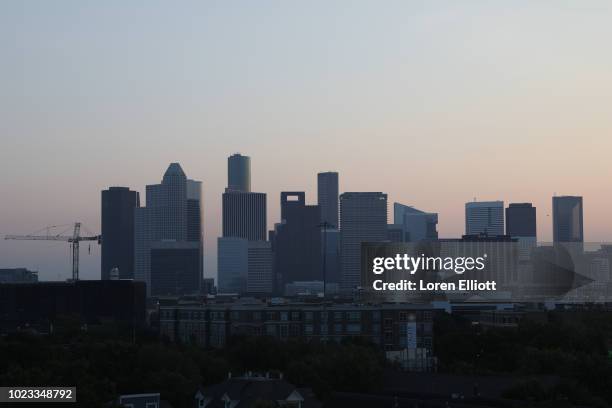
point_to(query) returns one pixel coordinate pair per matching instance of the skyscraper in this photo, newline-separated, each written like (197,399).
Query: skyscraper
(327,196)
(417,225)
(232,264)
(244,215)
(118,204)
(484,217)
(363,218)
(567,219)
(298,240)
(260,269)
(243,221)
(521,220)
(168,234)
(239,173)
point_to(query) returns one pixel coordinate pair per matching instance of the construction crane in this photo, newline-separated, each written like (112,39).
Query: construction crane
(73,240)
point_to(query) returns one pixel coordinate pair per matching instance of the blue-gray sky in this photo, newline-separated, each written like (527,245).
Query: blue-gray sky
(433,102)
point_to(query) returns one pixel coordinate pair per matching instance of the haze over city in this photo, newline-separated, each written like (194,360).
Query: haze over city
(434,104)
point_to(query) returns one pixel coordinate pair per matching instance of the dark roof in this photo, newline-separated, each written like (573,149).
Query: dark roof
(248,390)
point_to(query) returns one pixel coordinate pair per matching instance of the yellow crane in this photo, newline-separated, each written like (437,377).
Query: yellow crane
(73,240)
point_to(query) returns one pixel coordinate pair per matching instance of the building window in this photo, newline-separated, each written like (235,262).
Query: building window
(324,329)
(337,328)
(295,315)
(308,316)
(308,329)
(338,315)
(376,316)
(353,328)
(284,316)
(271,330)
(354,316)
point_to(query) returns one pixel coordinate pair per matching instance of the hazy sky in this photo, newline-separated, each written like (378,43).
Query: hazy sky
(433,102)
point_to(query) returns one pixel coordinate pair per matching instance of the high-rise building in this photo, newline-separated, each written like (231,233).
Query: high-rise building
(260,268)
(331,252)
(169,227)
(521,220)
(175,268)
(417,225)
(118,204)
(567,219)
(244,215)
(239,173)
(298,240)
(363,218)
(232,264)
(327,195)
(484,218)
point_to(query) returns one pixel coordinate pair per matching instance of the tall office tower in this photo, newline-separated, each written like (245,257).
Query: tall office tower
(233,264)
(118,204)
(521,220)
(363,217)
(417,225)
(260,268)
(327,195)
(567,219)
(484,217)
(244,215)
(298,240)
(168,238)
(521,225)
(331,252)
(239,173)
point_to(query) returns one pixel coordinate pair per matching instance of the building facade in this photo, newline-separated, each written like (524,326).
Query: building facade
(363,218)
(567,219)
(18,275)
(417,225)
(232,264)
(239,173)
(390,326)
(117,210)
(260,271)
(521,220)
(484,217)
(327,197)
(244,215)
(171,221)
(298,240)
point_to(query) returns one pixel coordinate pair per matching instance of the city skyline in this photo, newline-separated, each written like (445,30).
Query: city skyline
(433,104)
(270,226)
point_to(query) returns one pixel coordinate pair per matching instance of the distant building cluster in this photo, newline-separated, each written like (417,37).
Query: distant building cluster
(18,275)
(312,247)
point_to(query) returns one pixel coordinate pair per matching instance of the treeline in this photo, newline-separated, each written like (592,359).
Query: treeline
(103,367)
(571,347)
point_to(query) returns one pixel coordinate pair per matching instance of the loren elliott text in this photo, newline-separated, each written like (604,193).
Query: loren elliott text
(421,285)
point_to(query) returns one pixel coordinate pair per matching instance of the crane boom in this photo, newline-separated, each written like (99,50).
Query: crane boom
(72,240)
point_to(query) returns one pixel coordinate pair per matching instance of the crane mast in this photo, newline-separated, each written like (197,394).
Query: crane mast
(73,240)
